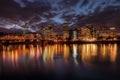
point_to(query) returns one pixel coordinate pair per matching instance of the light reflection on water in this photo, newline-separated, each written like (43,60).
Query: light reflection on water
(27,57)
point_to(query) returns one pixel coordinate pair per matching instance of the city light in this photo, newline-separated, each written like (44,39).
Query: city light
(48,34)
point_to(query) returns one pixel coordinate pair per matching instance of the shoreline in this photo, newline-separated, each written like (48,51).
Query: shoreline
(62,42)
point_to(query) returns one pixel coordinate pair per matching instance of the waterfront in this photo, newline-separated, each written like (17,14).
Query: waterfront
(60,61)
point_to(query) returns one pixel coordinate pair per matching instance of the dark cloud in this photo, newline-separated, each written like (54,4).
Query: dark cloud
(85,2)
(58,11)
(69,3)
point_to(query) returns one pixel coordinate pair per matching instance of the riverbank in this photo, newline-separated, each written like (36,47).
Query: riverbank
(62,42)
(89,42)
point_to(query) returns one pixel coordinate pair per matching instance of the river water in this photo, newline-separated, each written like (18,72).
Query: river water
(60,62)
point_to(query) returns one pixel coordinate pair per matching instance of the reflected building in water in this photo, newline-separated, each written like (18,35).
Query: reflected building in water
(108,52)
(25,57)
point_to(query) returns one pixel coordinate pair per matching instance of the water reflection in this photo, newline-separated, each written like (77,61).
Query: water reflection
(88,52)
(25,57)
(75,54)
(108,51)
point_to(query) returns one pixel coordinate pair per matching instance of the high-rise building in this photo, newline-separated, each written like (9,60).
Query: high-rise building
(93,31)
(66,34)
(48,33)
(112,32)
(73,34)
(103,32)
(84,33)
(25,28)
(107,32)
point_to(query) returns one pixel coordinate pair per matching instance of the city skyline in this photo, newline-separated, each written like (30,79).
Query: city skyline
(60,39)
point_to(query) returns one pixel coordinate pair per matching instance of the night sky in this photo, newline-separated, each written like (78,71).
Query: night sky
(14,13)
